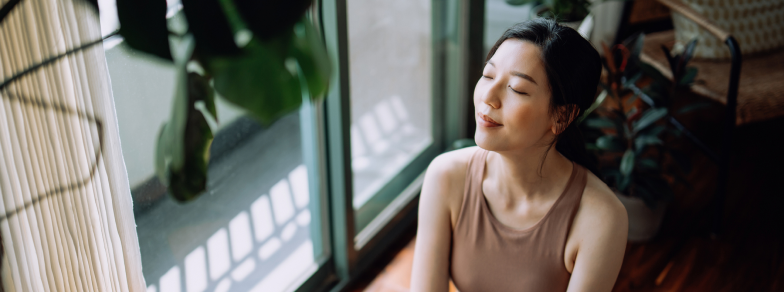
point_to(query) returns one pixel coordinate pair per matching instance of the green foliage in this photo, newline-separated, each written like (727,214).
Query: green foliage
(631,133)
(258,82)
(213,37)
(561,10)
(143,26)
(281,60)
(182,152)
(268,19)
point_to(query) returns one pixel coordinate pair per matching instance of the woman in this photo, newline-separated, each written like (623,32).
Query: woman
(520,212)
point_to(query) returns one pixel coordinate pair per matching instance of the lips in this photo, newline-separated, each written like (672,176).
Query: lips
(486,121)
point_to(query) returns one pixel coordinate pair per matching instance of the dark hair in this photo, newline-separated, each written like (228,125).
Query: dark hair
(573,68)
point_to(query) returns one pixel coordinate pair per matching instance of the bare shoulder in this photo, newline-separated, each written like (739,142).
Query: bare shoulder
(452,164)
(445,179)
(600,210)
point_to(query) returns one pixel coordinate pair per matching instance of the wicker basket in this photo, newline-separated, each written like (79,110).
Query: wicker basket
(758,25)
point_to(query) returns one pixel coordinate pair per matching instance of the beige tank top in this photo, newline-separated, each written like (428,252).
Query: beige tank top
(490,256)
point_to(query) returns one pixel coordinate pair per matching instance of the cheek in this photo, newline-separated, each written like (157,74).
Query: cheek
(529,118)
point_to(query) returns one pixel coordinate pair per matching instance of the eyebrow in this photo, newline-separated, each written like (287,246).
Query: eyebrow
(518,74)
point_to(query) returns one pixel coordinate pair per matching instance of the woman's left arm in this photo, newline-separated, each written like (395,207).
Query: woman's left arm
(601,226)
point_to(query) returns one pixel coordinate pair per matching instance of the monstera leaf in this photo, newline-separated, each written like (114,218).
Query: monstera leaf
(265,80)
(213,37)
(266,77)
(143,26)
(268,19)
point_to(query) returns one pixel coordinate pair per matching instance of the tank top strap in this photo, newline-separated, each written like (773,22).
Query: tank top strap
(575,190)
(475,171)
(557,225)
(473,187)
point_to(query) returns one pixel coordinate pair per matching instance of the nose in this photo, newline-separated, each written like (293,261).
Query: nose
(490,93)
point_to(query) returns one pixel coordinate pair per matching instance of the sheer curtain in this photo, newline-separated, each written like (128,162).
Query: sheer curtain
(66,213)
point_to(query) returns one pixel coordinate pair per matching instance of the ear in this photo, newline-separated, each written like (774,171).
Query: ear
(563,117)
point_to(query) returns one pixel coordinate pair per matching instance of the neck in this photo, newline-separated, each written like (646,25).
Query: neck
(523,173)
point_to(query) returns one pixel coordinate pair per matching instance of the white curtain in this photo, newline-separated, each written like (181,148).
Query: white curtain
(67,221)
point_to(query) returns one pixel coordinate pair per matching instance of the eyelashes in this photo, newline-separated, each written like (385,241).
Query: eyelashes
(510,87)
(518,92)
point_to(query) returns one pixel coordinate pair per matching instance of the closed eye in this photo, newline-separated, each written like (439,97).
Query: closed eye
(487,77)
(518,92)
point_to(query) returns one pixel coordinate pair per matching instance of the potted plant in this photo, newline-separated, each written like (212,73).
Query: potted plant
(628,135)
(266,57)
(568,12)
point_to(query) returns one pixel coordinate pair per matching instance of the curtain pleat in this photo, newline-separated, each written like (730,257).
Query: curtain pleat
(67,221)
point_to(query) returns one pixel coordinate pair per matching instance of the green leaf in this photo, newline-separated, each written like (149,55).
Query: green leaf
(624,182)
(688,52)
(596,103)
(644,140)
(648,163)
(629,82)
(654,73)
(671,60)
(210,27)
(270,19)
(143,26)
(648,118)
(631,100)
(627,162)
(518,2)
(630,114)
(600,123)
(258,80)
(688,77)
(311,55)
(692,107)
(627,132)
(609,142)
(654,130)
(635,46)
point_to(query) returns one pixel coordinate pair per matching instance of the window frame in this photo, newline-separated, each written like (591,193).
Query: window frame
(453,27)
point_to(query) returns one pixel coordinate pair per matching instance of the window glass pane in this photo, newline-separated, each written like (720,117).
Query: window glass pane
(390,71)
(251,229)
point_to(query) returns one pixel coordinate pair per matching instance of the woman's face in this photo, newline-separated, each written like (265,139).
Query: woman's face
(512,99)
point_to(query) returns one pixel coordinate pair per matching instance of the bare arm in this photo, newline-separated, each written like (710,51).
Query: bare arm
(431,253)
(602,229)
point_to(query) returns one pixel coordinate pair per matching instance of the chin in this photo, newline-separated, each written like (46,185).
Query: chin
(485,140)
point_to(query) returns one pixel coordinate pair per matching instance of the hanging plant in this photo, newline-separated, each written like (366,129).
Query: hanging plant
(259,55)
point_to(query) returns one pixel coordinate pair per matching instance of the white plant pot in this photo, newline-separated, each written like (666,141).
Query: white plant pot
(644,222)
